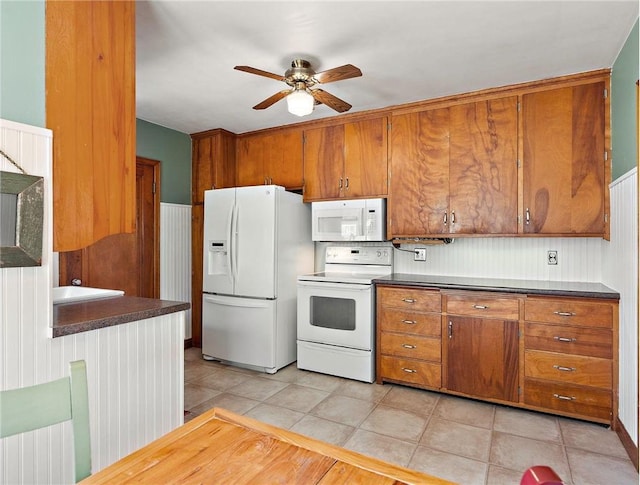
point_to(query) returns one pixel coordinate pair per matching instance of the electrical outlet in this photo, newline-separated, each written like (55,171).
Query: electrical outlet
(420,254)
(552,257)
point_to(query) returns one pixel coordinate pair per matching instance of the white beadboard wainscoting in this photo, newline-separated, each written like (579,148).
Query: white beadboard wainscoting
(518,258)
(579,259)
(620,271)
(175,256)
(135,371)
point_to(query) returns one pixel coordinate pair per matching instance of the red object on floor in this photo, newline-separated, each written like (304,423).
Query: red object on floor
(540,475)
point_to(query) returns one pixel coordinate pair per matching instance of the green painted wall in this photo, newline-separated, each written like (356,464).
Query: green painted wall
(173,149)
(624,128)
(22,61)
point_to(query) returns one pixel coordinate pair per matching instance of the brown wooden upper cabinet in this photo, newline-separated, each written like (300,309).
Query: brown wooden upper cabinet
(346,161)
(454,170)
(90,106)
(274,157)
(213,162)
(564,160)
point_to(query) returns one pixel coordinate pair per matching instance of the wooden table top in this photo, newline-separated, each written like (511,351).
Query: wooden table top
(222,447)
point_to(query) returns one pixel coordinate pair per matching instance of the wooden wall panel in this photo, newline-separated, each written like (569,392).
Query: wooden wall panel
(90,106)
(197,242)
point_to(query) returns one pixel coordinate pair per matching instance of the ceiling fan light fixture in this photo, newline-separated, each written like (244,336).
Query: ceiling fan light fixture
(300,102)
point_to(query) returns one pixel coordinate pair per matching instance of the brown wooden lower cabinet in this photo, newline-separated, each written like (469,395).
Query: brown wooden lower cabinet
(545,353)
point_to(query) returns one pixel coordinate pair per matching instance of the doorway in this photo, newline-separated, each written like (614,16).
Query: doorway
(129,262)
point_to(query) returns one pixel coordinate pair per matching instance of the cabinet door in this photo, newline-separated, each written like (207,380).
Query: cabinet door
(250,151)
(482,357)
(564,179)
(419,196)
(365,158)
(483,173)
(213,164)
(283,158)
(323,163)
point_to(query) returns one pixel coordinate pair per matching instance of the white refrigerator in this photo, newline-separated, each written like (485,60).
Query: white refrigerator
(257,240)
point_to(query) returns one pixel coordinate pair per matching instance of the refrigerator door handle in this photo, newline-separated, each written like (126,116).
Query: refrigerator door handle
(229,241)
(234,241)
(236,302)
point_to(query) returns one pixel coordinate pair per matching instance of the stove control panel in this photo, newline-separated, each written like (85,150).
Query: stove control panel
(379,255)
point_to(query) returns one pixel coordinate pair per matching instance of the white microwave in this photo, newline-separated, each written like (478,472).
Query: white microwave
(349,220)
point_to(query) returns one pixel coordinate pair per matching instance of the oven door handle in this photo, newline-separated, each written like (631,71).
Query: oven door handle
(325,285)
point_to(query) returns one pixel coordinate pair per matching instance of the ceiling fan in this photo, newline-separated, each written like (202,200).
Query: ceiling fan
(301,78)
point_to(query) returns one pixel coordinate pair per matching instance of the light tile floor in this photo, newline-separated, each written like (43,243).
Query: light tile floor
(462,440)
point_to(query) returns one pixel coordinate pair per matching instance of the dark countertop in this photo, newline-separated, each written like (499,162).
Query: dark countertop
(71,318)
(528,287)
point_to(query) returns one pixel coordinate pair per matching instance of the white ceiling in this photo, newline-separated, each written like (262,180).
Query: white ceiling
(407,51)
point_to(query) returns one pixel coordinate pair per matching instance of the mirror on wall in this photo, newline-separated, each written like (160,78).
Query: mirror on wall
(21,219)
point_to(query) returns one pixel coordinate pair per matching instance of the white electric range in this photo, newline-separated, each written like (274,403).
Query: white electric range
(336,326)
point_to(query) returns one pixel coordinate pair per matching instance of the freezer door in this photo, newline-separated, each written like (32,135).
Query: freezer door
(240,330)
(254,251)
(217,276)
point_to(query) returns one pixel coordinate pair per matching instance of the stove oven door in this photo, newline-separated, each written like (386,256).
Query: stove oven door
(336,314)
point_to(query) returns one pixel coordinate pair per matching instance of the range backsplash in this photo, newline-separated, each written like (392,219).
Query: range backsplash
(579,259)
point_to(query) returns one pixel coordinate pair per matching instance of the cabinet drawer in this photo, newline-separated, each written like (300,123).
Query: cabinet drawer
(412,346)
(409,298)
(576,369)
(568,398)
(569,312)
(408,370)
(395,320)
(481,306)
(592,342)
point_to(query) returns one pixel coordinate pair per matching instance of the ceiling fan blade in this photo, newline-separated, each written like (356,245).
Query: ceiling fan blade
(259,72)
(337,74)
(272,99)
(330,100)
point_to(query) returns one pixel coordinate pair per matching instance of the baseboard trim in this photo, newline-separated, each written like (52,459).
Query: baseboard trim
(188,343)
(627,442)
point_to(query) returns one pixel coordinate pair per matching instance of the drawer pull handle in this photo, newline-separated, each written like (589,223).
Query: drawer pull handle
(564,369)
(408,300)
(564,398)
(408,346)
(410,371)
(565,314)
(409,322)
(480,307)
(564,339)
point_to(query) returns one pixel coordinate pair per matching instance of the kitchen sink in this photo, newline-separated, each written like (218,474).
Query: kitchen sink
(70,294)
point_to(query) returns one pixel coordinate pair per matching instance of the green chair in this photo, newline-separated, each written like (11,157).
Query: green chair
(53,402)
